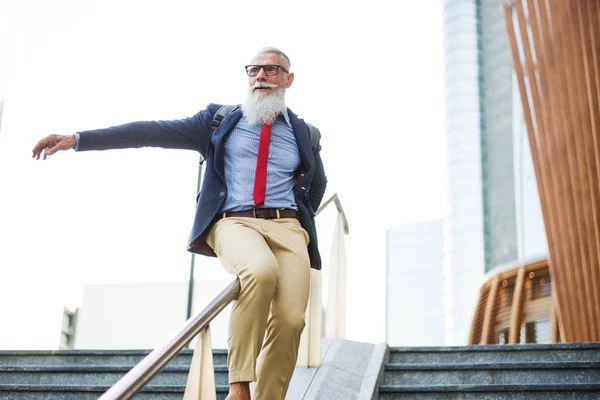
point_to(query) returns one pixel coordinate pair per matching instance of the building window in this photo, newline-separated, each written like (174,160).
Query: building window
(536,332)
(68,328)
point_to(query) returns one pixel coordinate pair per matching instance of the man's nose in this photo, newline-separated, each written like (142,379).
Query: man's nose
(261,76)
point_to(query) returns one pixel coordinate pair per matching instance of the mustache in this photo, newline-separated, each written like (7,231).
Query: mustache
(259,85)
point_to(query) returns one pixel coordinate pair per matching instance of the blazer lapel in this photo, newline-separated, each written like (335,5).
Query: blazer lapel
(303,140)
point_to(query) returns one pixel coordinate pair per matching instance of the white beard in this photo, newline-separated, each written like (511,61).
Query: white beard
(259,109)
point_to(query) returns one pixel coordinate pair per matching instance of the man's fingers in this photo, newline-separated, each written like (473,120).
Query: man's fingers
(44,144)
(51,144)
(41,145)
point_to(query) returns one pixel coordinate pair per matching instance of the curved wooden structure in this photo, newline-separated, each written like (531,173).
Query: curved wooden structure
(516,306)
(556,57)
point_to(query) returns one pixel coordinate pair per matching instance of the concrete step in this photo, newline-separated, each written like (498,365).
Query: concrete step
(492,373)
(94,375)
(496,353)
(95,357)
(490,392)
(92,392)
(86,374)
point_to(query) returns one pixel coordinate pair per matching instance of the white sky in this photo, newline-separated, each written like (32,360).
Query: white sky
(369,74)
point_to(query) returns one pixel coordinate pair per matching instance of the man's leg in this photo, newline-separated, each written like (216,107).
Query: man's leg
(244,252)
(277,359)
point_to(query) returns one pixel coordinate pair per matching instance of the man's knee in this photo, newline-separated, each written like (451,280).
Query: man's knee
(264,273)
(292,322)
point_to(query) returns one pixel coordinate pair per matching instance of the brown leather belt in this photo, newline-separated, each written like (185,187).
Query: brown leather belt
(264,213)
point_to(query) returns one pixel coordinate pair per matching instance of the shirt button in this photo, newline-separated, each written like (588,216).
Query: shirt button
(222,194)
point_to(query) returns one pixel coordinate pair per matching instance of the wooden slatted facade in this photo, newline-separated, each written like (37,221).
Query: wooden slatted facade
(517,306)
(555,46)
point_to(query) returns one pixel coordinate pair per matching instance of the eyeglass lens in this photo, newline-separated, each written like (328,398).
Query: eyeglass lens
(270,70)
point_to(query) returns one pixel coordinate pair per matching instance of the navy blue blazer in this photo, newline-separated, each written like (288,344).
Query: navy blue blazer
(193,133)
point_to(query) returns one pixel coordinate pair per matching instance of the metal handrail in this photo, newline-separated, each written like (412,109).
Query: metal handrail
(338,204)
(145,370)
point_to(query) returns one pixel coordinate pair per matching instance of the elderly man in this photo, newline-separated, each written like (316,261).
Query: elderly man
(263,182)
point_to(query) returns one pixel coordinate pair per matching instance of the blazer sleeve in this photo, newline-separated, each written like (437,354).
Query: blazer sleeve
(319,182)
(191,133)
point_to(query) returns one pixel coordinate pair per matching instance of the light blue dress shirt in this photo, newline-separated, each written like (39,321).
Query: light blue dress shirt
(241,152)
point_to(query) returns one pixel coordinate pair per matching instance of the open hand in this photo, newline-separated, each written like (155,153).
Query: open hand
(53,143)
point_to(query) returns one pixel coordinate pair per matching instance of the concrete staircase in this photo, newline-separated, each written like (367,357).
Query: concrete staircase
(524,372)
(86,374)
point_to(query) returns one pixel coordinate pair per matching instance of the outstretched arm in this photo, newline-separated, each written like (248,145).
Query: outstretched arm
(191,133)
(51,144)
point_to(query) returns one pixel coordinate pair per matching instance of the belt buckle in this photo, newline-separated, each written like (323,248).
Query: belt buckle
(254,212)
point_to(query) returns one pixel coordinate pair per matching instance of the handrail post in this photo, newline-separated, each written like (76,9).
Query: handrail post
(201,378)
(309,353)
(335,318)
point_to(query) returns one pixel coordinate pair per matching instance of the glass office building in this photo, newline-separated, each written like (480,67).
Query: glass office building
(494,219)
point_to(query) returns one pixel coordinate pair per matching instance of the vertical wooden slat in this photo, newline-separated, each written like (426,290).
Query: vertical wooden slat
(541,171)
(558,71)
(586,165)
(594,25)
(489,318)
(588,38)
(557,221)
(571,59)
(565,159)
(554,328)
(565,278)
(549,178)
(553,174)
(579,136)
(476,326)
(517,308)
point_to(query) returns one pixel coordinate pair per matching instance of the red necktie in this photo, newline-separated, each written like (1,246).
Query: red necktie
(260,179)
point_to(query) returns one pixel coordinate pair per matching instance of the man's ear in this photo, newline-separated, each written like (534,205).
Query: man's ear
(290,79)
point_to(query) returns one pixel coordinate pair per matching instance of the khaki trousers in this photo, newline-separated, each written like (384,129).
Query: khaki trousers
(270,257)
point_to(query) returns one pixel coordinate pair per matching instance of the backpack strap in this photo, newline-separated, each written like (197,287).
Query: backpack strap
(219,116)
(315,136)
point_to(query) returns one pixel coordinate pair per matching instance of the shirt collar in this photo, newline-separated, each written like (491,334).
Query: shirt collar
(286,116)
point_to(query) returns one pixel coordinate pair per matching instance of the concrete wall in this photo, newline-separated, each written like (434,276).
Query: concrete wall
(414,285)
(142,315)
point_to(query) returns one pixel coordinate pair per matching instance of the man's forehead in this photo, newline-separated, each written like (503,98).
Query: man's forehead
(267,57)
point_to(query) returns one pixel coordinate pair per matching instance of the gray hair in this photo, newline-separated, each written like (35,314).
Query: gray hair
(285,58)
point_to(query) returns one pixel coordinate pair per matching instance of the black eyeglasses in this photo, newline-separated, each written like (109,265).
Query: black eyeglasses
(270,70)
